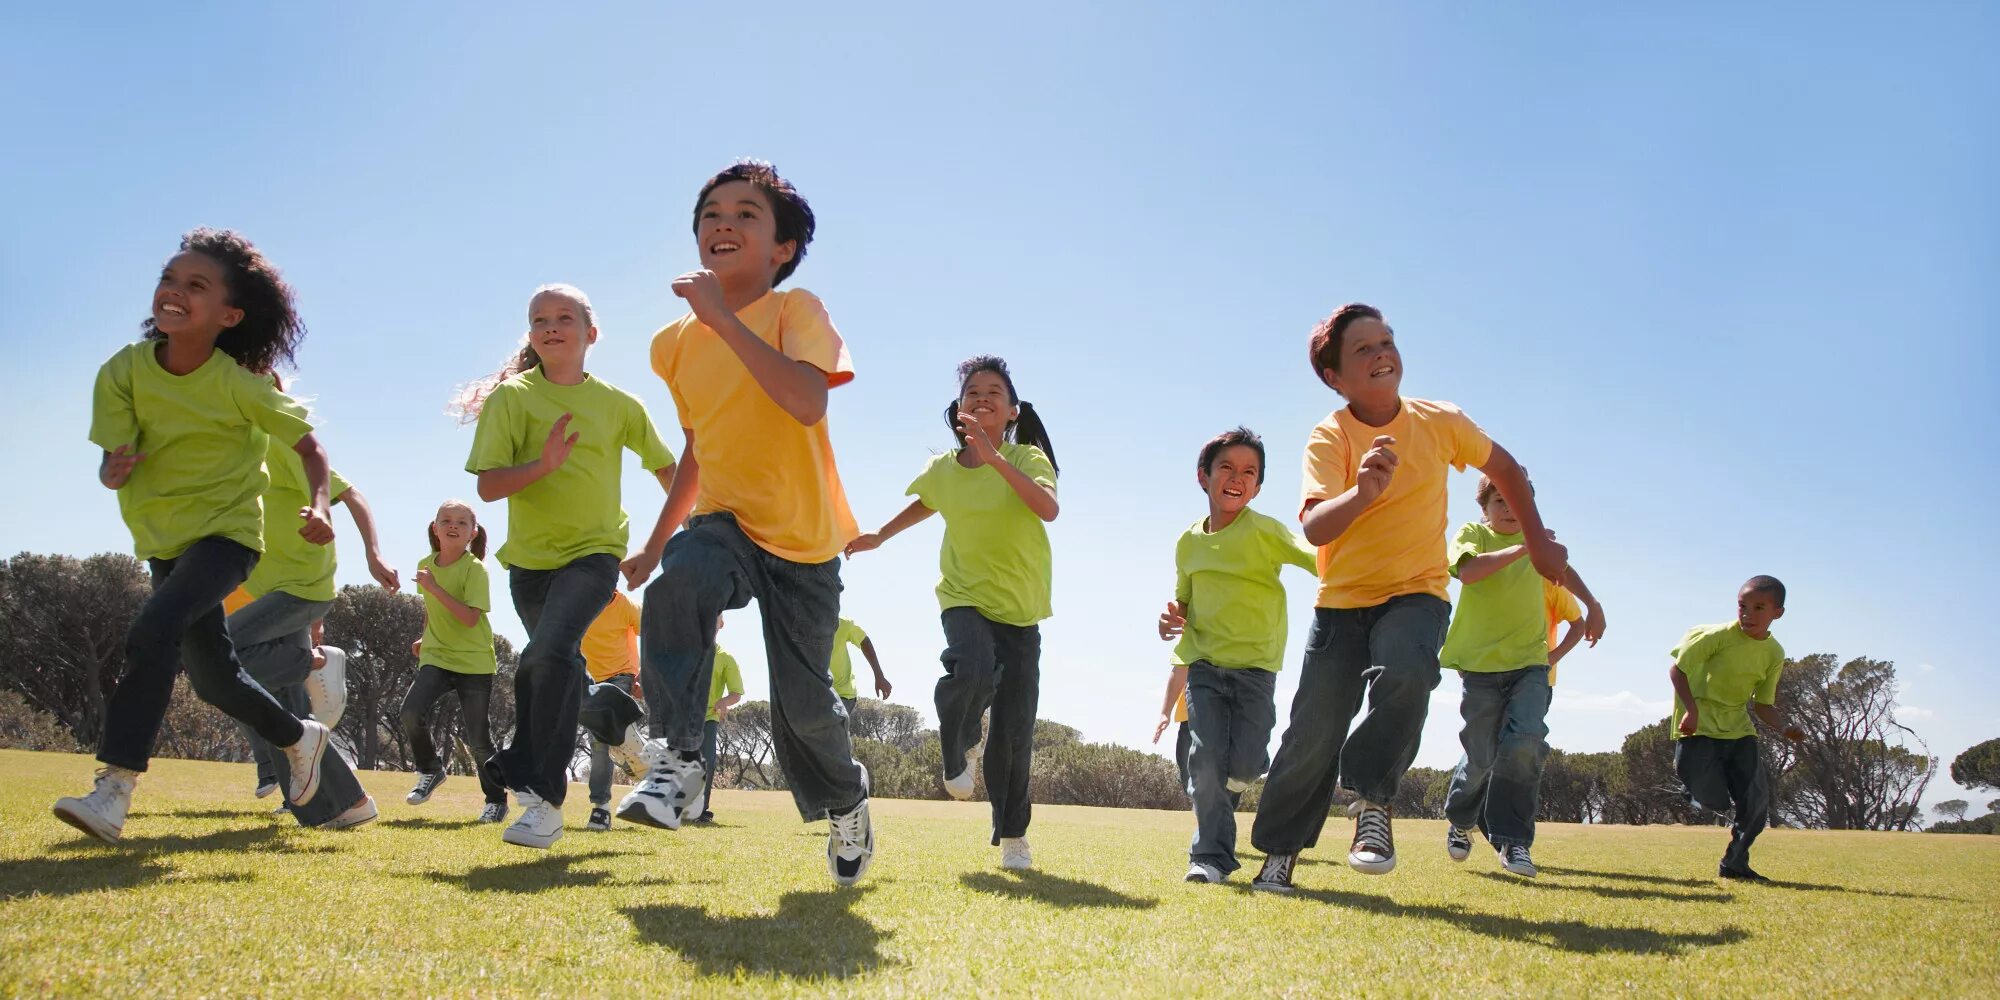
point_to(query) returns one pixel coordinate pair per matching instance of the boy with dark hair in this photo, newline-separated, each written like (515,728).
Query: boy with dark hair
(1229,613)
(1723,675)
(749,368)
(1374,503)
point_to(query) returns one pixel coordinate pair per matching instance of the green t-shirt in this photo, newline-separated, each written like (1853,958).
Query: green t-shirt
(574,511)
(1227,585)
(1725,671)
(449,645)
(996,551)
(1501,624)
(203,471)
(727,678)
(290,563)
(842,665)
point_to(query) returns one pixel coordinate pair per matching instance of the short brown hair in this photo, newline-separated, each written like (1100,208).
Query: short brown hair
(1326,336)
(1487,488)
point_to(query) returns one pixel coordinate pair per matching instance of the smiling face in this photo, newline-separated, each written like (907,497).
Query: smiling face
(560,330)
(737,235)
(1756,610)
(1231,479)
(1371,369)
(452,529)
(985,396)
(192,298)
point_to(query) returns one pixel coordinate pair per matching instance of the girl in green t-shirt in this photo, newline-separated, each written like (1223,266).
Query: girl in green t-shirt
(454,655)
(996,491)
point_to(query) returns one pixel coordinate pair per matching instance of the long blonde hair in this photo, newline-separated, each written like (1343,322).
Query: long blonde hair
(471,397)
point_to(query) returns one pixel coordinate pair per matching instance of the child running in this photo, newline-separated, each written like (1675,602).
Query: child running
(180,417)
(1374,503)
(549,439)
(610,656)
(1228,612)
(455,654)
(1722,676)
(1499,645)
(842,666)
(997,491)
(725,690)
(750,368)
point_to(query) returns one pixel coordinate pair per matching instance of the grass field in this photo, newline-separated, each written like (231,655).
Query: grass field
(211,895)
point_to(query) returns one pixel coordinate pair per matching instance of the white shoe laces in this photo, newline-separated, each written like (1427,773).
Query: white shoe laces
(848,829)
(1278,867)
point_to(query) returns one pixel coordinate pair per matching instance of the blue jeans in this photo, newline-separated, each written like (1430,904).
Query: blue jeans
(1183,741)
(182,625)
(988,665)
(709,757)
(710,567)
(1498,783)
(600,754)
(557,606)
(1721,774)
(1231,713)
(273,637)
(1387,653)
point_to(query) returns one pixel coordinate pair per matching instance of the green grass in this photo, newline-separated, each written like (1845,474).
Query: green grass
(211,895)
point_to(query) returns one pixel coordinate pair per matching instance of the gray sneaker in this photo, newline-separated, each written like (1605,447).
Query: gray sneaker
(1276,875)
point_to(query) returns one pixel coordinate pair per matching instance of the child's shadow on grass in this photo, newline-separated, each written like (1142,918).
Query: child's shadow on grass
(1610,891)
(1069,894)
(1564,935)
(1685,883)
(84,865)
(419,823)
(550,871)
(1694,883)
(813,935)
(1884,893)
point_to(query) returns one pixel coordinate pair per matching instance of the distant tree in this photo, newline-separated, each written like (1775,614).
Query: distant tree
(1859,768)
(1652,791)
(1421,794)
(1952,809)
(1578,787)
(897,725)
(1978,767)
(1993,806)
(63,622)
(744,741)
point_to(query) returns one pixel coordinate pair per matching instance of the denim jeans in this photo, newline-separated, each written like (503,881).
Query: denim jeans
(475,694)
(600,754)
(991,665)
(1498,783)
(556,606)
(710,755)
(1184,741)
(1231,713)
(273,637)
(710,567)
(1721,774)
(1387,653)
(182,624)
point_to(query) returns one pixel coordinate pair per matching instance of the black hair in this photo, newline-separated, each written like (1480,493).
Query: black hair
(269,333)
(1228,439)
(478,545)
(1325,342)
(791,215)
(1025,429)
(1767,585)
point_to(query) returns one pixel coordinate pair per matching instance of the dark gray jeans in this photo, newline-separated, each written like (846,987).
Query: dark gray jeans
(1498,783)
(1231,713)
(711,567)
(1388,654)
(1725,774)
(556,606)
(475,696)
(273,636)
(600,753)
(988,665)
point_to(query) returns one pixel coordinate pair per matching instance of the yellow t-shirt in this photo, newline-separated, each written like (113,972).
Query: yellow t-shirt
(574,511)
(449,645)
(290,563)
(1180,708)
(237,600)
(727,678)
(611,643)
(1560,606)
(842,665)
(757,462)
(995,555)
(1397,545)
(203,474)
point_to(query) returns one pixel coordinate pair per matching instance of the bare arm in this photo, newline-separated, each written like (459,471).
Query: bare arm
(499,484)
(797,387)
(1572,634)
(318,528)
(1176,685)
(1549,556)
(903,521)
(882,685)
(364,522)
(1473,569)
(1593,612)
(683,483)
(1690,719)
(1325,520)
(1769,715)
(1039,498)
(466,614)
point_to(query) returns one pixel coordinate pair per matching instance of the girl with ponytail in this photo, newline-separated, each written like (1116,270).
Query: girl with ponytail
(455,653)
(996,491)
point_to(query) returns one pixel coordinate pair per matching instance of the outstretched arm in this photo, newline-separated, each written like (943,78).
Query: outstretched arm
(1176,685)
(364,522)
(683,484)
(903,521)
(1768,714)
(1548,555)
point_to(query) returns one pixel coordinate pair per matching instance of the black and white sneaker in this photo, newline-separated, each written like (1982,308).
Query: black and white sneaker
(850,844)
(670,792)
(1514,858)
(494,812)
(427,783)
(1374,849)
(600,818)
(1457,843)
(1276,875)
(1206,874)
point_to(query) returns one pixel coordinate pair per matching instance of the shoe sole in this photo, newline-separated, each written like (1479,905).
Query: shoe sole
(342,822)
(1457,855)
(635,812)
(310,788)
(1517,871)
(415,800)
(1271,887)
(1383,867)
(266,791)
(88,824)
(530,840)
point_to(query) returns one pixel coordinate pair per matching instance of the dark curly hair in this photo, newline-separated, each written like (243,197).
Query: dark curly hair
(1229,438)
(789,211)
(270,331)
(1325,344)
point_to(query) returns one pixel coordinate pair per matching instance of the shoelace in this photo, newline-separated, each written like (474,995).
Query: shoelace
(1518,855)
(1279,868)
(1373,830)
(847,829)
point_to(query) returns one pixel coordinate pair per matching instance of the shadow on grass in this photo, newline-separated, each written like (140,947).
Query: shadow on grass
(1685,883)
(1855,890)
(213,813)
(419,823)
(268,837)
(1711,883)
(1610,891)
(813,935)
(550,871)
(85,865)
(1563,935)
(1069,894)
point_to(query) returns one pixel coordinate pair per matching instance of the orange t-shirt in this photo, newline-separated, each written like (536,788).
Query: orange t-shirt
(611,644)
(1560,606)
(777,476)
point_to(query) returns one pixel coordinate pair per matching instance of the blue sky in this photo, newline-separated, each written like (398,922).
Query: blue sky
(1721,279)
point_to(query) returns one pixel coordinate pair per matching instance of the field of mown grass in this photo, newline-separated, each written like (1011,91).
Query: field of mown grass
(211,895)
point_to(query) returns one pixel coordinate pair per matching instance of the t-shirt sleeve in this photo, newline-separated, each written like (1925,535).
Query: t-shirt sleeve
(806,333)
(928,487)
(1034,463)
(732,674)
(855,635)
(632,616)
(1767,686)
(1328,465)
(496,439)
(113,421)
(664,343)
(1465,443)
(1287,546)
(478,589)
(1468,542)
(644,439)
(1691,657)
(1561,603)
(337,484)
(275,413)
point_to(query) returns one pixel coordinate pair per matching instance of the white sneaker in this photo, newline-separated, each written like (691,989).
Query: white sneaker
(1515,859)
(539,825)
(1198,872)
(101,813)
(850,844)
(362,812)
(265,789)
(960,788)
(493,813)
(670,791)
(1014,854)
(304,757)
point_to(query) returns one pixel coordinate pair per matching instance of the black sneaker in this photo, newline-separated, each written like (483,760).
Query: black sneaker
(1457,843)
(1276,875)
(1743,874)
(427,783)
(1374,849)
(600,818)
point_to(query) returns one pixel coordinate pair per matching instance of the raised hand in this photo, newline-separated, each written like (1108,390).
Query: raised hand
(1173,621)
(703,292)
(555,450)
(384,573)
(639,569)
(975,436)
(117,466)
(426,580)
(1378,466)
(318,526)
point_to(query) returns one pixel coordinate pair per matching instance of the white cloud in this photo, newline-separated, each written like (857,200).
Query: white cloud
(1624,703)
(1913,712)
(1925,668)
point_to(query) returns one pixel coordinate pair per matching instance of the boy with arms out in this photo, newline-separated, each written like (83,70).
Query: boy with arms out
(1229,613)
(749,369)
(1374,503)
